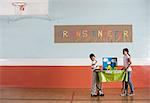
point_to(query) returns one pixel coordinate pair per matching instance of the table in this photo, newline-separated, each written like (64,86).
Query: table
(112,76)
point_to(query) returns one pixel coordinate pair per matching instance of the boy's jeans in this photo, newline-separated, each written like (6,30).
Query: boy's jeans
(95,81)
(129,82)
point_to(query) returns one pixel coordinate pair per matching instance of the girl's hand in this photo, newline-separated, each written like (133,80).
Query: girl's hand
(123,68)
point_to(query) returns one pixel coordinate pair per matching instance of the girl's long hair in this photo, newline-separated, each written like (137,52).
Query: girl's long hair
(126,49)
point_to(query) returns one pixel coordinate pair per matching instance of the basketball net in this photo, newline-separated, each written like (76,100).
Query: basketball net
(20,8)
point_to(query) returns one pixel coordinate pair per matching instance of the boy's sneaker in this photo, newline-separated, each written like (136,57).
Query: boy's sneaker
(93,95)
(123,94)
(100,93)
(131,94)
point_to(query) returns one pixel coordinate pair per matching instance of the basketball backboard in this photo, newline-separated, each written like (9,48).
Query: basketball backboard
(27,7)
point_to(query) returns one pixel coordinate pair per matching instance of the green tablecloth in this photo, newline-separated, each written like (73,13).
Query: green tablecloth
(112,76)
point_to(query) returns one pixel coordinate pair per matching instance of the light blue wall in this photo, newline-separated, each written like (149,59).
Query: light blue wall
(148,27)
(34,38)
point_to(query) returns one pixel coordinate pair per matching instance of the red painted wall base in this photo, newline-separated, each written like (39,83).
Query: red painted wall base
(62,77)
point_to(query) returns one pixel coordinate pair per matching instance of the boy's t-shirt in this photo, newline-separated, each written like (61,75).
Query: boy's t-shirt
(125,62)
(94,65)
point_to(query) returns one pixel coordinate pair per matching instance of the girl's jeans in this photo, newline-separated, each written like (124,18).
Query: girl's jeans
(129,82)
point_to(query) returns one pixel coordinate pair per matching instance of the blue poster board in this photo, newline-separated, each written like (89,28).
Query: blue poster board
(109,63)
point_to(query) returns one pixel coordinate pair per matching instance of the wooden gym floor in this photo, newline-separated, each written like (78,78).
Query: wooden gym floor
(24,95)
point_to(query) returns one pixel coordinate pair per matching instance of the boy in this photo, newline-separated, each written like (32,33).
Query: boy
(95,79)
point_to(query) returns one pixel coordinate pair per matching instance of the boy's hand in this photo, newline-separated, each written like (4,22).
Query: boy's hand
(97,70)
(93,64)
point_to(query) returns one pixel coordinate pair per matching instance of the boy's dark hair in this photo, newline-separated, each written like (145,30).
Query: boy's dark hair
(91,55)
(127,50)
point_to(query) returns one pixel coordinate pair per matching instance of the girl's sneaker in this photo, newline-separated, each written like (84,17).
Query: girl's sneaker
(124,94)
(131,94)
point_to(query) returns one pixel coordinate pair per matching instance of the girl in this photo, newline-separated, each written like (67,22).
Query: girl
(128,69)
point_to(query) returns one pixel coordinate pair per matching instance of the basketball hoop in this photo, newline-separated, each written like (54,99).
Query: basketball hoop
(20,7)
